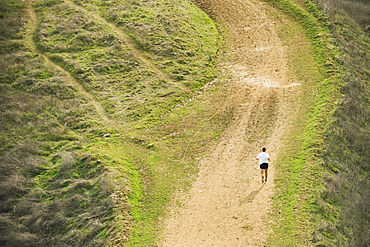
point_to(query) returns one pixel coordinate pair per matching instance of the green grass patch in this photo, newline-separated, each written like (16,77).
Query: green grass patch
(130,89)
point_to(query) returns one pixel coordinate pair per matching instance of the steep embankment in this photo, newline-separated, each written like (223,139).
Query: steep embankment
(346,196)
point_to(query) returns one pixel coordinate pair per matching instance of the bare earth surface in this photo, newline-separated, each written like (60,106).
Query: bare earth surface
(228,205)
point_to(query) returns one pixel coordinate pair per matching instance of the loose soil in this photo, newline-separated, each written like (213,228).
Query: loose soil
(227,204)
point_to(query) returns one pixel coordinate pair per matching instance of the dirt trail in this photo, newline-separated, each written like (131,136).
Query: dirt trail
(228,205)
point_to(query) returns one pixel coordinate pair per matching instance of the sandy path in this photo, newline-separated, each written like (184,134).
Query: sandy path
(228,205)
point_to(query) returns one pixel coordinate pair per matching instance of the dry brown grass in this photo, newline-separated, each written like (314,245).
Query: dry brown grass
(359,10)
(345,207)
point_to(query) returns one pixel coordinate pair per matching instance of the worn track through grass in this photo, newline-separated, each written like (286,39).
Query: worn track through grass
(227,205)
(32,29)
(139,54)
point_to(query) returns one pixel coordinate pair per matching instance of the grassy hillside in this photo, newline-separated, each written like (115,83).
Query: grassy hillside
(103,116)
(346,196)
(80,82)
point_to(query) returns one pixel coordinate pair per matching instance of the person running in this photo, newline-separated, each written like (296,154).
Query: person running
(264,160)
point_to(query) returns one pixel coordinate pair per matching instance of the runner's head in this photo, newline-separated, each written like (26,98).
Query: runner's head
(263,149)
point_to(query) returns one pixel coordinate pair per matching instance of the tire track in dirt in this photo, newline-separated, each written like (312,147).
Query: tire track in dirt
(32,29)
(227,204)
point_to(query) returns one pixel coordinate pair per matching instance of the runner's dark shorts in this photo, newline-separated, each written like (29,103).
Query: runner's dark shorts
(264,166)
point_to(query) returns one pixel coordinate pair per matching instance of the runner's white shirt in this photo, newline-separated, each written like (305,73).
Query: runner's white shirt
(263,157)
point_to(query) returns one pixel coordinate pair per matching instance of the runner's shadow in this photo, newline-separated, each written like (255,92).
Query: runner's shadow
(251,196)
